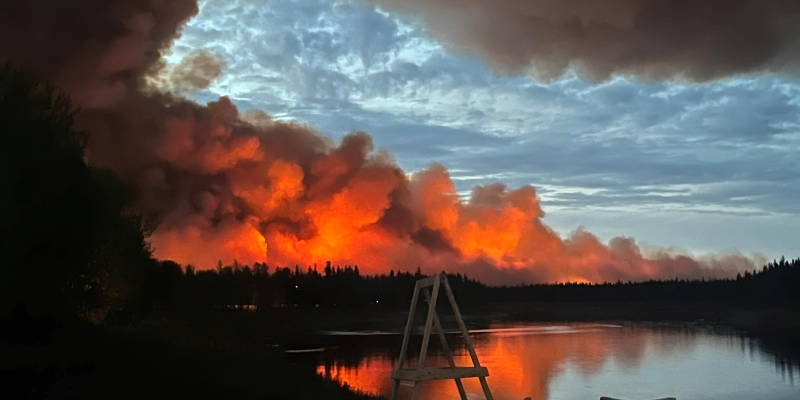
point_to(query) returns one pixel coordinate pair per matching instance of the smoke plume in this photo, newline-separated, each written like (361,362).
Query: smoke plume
(647,39)
(218,185)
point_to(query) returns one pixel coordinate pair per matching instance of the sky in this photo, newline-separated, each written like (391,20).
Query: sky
(704,167)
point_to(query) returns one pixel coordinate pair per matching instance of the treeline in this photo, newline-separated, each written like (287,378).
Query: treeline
(259,287)
(777,284)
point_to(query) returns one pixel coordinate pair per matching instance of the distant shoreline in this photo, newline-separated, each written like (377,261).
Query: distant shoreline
(772,321)
(778,322)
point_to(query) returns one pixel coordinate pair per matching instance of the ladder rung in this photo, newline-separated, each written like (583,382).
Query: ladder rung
(429,374)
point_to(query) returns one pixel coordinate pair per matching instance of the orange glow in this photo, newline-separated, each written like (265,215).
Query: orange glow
(521,364)
(266,202)
(574,279)
(369,378)
(225,189)
(236,241)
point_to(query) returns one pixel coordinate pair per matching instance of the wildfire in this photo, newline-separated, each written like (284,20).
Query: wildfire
(225,189)
(219,186)
(259,200)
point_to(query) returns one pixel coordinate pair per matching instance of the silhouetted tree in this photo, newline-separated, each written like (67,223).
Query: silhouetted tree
(46,204)
(67,230)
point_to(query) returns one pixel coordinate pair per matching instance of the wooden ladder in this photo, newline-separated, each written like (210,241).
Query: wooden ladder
(432,323)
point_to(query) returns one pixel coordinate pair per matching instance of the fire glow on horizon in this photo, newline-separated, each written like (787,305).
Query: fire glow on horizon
(220,185)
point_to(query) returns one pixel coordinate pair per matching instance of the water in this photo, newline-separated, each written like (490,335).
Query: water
(579,361)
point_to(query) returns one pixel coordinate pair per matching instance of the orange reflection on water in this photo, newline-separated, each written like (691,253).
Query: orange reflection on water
(522,362)
(371,376)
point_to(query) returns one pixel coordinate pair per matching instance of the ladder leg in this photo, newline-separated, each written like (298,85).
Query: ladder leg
(437,324)
(395,389)
(449,291)
(415,393)
(406,337)
(486,391)
(409,326)
(426,336)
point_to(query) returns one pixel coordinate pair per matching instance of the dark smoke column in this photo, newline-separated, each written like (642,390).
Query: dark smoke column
(695,40)
(96,50)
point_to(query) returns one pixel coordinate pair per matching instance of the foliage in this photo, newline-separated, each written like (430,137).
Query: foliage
(66,228)
(46,202)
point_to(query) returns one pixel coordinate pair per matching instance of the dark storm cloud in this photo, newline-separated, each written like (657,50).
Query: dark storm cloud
(648,39)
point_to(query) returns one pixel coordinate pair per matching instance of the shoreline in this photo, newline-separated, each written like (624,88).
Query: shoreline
(765,321)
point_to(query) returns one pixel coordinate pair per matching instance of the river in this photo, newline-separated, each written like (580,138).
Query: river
(578,362)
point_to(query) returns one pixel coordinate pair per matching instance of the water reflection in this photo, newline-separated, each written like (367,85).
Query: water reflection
(581,361)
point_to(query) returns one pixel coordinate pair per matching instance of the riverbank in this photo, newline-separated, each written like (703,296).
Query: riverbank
(162,357)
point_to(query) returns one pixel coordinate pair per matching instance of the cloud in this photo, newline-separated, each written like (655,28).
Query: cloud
(220,183)
(425,104)
(194,72)
(646,39)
